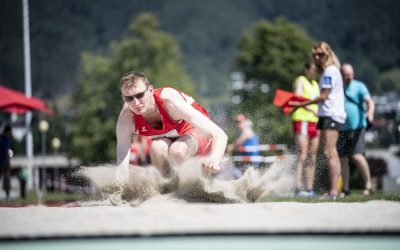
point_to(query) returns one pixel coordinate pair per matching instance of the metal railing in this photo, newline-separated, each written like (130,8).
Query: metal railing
(263,148)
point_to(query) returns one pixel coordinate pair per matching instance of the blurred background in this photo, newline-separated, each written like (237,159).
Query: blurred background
(230,55)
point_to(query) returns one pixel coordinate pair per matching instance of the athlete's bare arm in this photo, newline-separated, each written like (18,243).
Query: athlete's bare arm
(178,109)
(246,134)
(298,87)
(370,108)
(124,130)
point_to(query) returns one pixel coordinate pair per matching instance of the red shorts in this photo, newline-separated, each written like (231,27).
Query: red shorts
(204,142)
(308,129)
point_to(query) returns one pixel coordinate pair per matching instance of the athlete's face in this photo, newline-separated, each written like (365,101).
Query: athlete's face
(319,56)
(138,97)
(311,73)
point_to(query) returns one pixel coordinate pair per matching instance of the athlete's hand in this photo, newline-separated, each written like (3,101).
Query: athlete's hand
(210,168)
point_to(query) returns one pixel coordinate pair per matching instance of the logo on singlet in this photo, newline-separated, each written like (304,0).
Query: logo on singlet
(327,81)
(143,129)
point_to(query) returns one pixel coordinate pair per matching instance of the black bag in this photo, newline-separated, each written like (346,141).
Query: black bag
(369,124)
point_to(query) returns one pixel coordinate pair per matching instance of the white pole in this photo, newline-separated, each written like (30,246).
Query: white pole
(28,91)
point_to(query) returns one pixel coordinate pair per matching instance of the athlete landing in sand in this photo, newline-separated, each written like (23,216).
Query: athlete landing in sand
(180,127)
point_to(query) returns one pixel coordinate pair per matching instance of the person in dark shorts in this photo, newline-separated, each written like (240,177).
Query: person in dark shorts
(360,108)
(330,109)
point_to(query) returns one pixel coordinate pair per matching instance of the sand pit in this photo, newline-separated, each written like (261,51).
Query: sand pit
(142,203)
(165,216)
(132,186)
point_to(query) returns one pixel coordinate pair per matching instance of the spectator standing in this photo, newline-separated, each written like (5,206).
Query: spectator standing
(330,109)
(359,108)
(5,145)
(305,131)
(246,138)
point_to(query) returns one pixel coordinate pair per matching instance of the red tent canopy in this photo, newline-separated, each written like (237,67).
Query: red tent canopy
(17,102)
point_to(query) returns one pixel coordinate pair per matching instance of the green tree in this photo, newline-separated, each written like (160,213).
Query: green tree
(151,51)
(93,121)
(389,81)
(97,102)
(273,54)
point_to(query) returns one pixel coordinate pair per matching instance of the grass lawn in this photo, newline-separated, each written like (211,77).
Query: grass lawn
(47,198)
(356,196)
(60,198)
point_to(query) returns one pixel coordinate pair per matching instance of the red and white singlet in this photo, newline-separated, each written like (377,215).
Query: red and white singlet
(170,128)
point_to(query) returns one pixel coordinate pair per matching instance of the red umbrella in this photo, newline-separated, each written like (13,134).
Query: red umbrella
(17,102)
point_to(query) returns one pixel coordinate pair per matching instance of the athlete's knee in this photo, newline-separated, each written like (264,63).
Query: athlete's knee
(328,152)
(302,154)
(357,157)
(312,157)
(177,153)
(159,148)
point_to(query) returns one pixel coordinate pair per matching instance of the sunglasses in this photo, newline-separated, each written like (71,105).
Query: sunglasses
(138,96)
(321,54)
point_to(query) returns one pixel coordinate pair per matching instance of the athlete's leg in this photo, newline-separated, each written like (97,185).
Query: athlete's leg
(345,171)
(363,167)
(301,149)
(312,162)
(330,137)
(360,160)
(345,147)
(159,154)
(182,149)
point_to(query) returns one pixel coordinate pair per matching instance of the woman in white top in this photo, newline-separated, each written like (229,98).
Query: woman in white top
(330,109)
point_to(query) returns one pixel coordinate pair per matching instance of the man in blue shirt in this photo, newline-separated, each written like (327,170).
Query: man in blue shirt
(359,108)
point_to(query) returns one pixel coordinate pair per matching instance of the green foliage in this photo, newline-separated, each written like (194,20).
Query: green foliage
(153,52)
(389,81)
(206,30)
(91,128)
(272,53)
(364,33)
(97,102)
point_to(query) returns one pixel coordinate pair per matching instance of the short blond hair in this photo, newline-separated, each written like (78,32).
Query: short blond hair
(331,58)
(132,79)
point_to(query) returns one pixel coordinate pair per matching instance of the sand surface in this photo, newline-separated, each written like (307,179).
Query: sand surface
(142,202)
(159,216)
